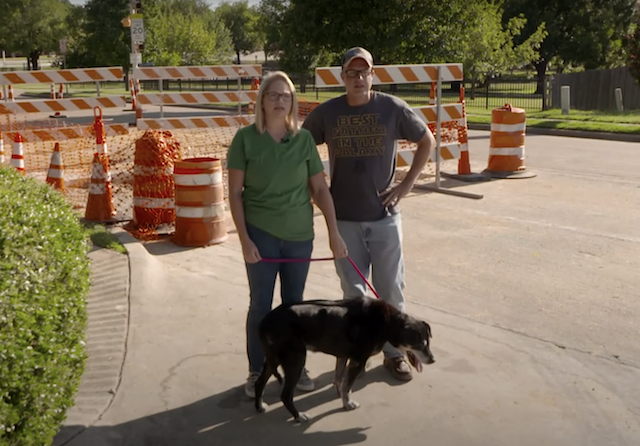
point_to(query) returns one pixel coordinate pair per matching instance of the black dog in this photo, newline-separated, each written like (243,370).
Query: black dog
(352,329)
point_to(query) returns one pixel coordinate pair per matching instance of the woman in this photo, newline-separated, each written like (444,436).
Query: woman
(274,171)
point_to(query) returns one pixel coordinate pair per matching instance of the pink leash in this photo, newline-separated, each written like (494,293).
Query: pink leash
(322,259)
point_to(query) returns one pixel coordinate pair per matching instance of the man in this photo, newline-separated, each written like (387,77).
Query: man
(361,129)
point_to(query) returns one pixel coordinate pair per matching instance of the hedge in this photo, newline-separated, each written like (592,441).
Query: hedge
(44,280)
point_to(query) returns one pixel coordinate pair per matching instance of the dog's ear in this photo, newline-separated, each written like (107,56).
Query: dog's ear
(426,325)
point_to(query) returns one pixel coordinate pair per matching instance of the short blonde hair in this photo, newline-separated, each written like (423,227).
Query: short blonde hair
(291,121)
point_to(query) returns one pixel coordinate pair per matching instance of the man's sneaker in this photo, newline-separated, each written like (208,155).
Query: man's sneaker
(305,383)
(398,368)
(250,385)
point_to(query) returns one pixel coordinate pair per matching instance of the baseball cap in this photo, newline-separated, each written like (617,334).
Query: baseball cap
(357,53)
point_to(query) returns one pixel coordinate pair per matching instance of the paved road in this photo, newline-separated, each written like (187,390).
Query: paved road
(531,293)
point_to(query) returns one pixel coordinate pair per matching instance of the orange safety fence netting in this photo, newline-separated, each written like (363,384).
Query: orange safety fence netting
(152,151)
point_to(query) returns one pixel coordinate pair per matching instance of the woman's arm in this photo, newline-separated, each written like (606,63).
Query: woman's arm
(322,197)
(236,184)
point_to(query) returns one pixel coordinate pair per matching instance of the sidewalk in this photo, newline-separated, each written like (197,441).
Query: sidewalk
(533,309)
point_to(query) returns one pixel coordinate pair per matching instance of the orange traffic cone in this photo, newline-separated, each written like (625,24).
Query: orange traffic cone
(17,156)
(55,176)
(100,205)
(464,166)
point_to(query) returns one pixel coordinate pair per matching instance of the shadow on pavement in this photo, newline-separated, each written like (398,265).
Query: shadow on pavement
(229,418)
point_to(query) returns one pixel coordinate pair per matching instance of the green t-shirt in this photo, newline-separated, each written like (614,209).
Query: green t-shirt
(276,194)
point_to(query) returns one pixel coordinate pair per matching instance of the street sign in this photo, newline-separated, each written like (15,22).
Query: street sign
(137,28)
(63,46)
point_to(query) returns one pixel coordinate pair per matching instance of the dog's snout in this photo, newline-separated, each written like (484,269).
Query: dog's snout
(430,360)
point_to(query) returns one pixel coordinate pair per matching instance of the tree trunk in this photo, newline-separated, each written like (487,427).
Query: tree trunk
(32,60)
(303,83)
(541,69)
(238,54)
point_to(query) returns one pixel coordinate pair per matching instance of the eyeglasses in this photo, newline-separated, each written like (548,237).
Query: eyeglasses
(356,73)
(274,96)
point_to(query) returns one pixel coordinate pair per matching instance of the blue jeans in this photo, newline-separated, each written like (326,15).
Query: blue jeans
(262,281)
(376,245)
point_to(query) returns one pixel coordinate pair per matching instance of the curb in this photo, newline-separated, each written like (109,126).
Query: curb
(106,339)
(609,136)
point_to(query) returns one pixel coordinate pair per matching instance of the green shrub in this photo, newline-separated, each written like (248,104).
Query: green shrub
(44,280)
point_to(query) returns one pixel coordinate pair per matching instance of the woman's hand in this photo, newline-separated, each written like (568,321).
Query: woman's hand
(250,252)
(338,246)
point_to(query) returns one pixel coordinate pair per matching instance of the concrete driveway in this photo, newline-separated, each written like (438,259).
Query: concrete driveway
(532,294)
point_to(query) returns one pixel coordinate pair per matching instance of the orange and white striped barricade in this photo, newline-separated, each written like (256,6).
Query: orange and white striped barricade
(80,75)
(61,92)
(197,73)
(199,201)
(55,175)
(1,149)
(206,97)
(62,105)
(153,184)
(10,94)
(65,133)
(395,74)
(52,94)
(100,206)
(194,123)
(17,154)
(506,149)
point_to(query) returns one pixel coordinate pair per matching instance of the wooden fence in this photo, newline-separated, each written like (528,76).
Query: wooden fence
(595,89)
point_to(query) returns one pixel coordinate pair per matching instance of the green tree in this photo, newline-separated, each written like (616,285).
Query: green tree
(589,35)
(271,14)
(32,27)
(185,32)
(243,22)
(102,41)
(632,43)
(489,49)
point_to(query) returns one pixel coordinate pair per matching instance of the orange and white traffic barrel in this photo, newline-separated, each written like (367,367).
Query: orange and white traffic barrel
(17,154)
(506,149)
(199,202)
(55,175)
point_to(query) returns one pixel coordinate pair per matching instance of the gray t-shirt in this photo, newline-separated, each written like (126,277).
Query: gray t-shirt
(363,145)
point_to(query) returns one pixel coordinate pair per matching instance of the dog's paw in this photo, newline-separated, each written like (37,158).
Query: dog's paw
(351,405)
(302,418)
(262,407)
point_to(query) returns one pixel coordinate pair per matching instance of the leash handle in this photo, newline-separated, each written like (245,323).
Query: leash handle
(268,260)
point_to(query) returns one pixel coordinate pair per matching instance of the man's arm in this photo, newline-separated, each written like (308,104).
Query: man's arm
(422,155)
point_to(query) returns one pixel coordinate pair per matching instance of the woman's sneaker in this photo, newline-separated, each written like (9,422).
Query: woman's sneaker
(305,383)
(250,385)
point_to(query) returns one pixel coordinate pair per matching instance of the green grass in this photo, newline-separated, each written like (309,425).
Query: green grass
(100,236)
(612,123)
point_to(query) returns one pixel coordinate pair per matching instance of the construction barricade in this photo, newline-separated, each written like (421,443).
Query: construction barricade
(506,149)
